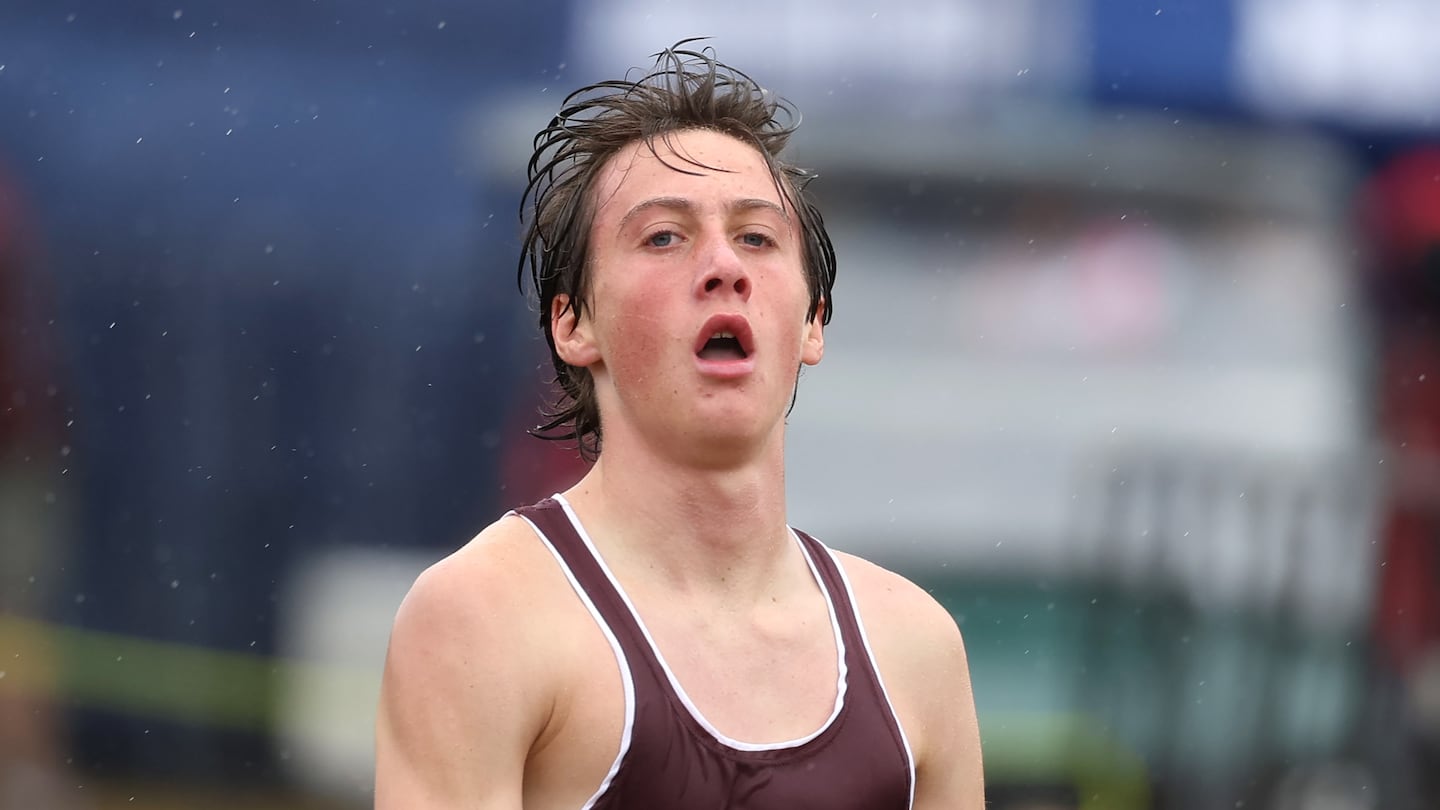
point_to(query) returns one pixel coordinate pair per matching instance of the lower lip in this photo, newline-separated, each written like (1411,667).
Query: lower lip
(726,369)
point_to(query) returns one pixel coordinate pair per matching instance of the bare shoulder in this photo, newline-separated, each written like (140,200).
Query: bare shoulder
(897,610)
(464,691)
(921,656)
(482,587)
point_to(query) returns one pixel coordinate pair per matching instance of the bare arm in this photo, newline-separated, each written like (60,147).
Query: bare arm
(461,699)
(949,773)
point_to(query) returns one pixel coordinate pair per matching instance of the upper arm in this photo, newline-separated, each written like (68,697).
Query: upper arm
(461,700)
(922,657)
(949,773)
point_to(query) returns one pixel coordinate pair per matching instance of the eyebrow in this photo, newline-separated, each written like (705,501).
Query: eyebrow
(684,204)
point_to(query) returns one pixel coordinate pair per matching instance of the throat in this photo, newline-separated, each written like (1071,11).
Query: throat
(706,529)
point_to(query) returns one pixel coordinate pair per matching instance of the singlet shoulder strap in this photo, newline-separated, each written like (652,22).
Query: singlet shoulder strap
(833,577)
(552,522)
(860,657)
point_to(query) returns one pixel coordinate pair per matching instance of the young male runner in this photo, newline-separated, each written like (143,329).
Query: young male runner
(657,637)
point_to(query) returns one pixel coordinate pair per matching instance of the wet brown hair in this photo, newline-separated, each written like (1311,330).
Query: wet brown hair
(685,90)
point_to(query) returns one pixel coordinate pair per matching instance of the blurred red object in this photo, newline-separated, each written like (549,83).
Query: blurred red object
(1399,215)
(29,407)
(531,468)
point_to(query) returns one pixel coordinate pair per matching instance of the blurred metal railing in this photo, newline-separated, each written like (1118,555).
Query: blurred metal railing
(1232,598)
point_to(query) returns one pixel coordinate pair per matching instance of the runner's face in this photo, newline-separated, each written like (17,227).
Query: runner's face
(696,327)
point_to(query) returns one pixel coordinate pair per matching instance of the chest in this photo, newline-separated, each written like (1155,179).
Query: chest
(768,677)
(772,680)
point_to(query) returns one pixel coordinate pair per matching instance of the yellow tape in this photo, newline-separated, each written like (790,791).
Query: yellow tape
(240,691)
(92,669)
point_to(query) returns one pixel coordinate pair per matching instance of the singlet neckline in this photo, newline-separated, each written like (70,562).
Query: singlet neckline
(674,682)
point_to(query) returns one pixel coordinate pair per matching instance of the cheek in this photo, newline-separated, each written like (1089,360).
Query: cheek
(638,333)
(789,316)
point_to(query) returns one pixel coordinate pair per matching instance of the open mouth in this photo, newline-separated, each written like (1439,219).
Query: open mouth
(725,339)
(722,346)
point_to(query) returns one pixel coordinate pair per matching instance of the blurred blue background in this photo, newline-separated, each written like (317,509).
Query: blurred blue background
(1134,366)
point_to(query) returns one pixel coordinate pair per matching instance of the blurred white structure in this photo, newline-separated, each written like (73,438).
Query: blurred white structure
(1014,309)
(337,609)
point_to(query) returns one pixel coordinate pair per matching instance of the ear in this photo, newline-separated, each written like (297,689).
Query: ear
(573,341)
(814,346)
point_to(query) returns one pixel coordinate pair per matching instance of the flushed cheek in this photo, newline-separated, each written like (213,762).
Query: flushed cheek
(639,340)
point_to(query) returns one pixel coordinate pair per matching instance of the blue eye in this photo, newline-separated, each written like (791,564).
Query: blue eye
(661,239)
(756,239)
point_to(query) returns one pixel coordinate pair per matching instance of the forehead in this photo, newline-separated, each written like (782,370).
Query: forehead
(729,168)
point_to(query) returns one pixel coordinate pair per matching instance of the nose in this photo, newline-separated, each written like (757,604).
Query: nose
(722,272)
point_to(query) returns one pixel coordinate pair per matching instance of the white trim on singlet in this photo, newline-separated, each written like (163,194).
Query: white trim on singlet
(875,665)
(626,679)
(690,706)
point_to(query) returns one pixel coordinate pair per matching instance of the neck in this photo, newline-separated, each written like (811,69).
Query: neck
(717,529)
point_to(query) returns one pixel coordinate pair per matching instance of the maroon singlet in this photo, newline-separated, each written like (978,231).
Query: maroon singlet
(671,758)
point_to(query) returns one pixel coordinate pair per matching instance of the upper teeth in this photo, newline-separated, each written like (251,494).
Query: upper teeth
(722,334)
